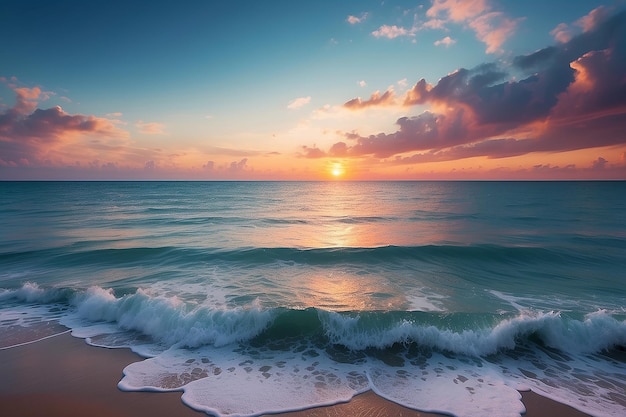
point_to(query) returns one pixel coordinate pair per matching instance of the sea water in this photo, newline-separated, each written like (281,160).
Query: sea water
(261,297)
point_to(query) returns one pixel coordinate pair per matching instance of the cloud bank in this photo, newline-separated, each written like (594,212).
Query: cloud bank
(569,96)
(30,135)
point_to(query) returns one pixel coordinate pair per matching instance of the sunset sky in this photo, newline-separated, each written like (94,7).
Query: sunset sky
(290,90)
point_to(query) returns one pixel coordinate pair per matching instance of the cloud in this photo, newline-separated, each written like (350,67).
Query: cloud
(491,27)
(572,97)
(28,133)
(599,163)
(447,41)
(420,132)
(362,83)
(312,153)
(353,20)
(26,99)
(150,128)
(458,10)
(393,31)
(236,167)
(593,19)
(376,99)
(564,32)
(299,102)
(434,24)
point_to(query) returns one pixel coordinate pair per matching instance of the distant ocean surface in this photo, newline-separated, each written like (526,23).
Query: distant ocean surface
(261,297)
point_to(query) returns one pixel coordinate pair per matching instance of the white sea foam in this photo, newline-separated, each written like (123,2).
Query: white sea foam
(29,292)
(205,353)
(231,382)
(450,386)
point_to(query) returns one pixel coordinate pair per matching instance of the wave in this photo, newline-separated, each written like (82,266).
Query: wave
(81,254)
(172,322)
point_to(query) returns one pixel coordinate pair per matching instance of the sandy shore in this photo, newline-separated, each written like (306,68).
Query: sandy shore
(62,376)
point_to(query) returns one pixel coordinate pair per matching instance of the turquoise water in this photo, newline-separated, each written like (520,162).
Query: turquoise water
(436,295)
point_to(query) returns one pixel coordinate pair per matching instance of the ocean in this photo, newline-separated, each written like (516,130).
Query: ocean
(262,297)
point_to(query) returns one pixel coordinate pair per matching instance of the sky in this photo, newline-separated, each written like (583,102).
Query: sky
(287,90)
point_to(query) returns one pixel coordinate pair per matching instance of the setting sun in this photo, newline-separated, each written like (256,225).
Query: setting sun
(337,170)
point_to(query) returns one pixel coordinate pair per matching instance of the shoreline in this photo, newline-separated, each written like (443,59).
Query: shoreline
(63,376)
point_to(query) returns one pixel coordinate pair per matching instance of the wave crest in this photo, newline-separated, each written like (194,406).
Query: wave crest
(173,322)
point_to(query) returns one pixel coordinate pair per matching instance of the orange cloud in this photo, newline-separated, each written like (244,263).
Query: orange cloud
(376,99)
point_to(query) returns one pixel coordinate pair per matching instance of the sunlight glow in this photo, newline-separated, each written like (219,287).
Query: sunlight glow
(337,170)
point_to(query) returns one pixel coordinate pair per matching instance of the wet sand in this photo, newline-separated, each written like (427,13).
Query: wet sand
(62,376)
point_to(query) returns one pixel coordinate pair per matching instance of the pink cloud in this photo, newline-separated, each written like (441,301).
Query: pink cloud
(28,133)
(435,24)
(26,99)
(353,20)
(458,10)
(492,28)
(562,33)
(593,19)
(393,31)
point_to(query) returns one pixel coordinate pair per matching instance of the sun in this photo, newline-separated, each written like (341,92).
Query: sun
(337,170)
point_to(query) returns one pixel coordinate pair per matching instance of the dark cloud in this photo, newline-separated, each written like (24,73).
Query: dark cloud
(421,132)
(599,163)
(536,60)
(493,101)
(566,97)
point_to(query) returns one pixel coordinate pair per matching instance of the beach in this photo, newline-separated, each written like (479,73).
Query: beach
(64,376)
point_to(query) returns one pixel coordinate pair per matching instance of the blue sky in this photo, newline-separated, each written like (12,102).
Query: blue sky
(258,90)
